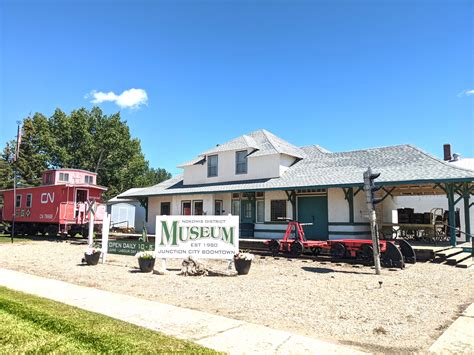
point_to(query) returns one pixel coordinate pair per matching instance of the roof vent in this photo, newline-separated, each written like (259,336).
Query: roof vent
(456,156)
(447,152)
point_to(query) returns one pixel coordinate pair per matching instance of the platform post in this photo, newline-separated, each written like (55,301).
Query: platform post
(452,214)
(467,217)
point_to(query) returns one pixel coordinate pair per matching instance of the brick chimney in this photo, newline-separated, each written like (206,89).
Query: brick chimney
(447,152)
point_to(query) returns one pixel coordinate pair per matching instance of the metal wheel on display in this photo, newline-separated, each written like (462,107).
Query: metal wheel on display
(274,247)
(296,248)
(392,257)
(338,250)
(368,253)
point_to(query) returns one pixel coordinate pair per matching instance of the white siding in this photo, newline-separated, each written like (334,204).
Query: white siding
(260,167)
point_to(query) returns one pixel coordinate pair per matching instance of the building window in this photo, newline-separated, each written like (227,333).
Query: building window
(88,179)
(235,208)
(186,208)
(18,201)
(277,210)
(198,208)
(165,209)
(63,176)
(29,200)
(218,207)
(212,164)
(260,217)
(241,162)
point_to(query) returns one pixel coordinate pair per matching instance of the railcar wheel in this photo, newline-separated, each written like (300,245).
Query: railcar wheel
(315,251)
(51,230)
(338,250)
(296,248)
(274,247)
(368,253)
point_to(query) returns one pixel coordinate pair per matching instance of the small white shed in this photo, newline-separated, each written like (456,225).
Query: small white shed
(126,213)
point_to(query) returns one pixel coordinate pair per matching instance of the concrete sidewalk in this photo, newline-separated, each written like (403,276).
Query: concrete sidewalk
(459,337)
(216,332)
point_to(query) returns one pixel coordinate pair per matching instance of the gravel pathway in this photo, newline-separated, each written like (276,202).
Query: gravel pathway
(335,302)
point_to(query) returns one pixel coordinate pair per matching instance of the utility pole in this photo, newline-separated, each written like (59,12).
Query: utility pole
(15,159)
(14,201)
(370,188)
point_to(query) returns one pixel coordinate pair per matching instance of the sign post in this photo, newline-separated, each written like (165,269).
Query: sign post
(92,209)
(105,236)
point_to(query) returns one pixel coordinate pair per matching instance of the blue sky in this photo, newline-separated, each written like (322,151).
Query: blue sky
(342,74)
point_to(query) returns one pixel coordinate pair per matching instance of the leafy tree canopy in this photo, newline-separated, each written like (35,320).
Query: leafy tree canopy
(84,139)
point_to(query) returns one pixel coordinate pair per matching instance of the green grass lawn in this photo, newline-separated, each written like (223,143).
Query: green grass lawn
(33,324)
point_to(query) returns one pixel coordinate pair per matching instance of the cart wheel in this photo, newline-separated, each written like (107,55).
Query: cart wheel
(274,247)
(315,251)
(296,248)
(338,250)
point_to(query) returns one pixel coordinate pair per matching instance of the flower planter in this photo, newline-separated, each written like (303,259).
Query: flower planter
(92,259)
(146,265)
(242,266)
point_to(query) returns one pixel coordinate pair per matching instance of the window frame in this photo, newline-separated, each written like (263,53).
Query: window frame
(194,207)
(88,179)
(276,218)
(190,207)
(237,163)
(232,207)
(29,205)
(18,205)
(261,201)
(221,211)
(165,203)
(210,167)
(64,175)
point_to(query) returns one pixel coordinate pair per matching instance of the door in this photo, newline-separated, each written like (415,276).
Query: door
(314,209)
(247,218)
(247,211)
(81,195)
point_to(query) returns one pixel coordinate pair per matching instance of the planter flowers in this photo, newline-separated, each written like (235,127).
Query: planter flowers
(92,255)
(242,262)
(146,260)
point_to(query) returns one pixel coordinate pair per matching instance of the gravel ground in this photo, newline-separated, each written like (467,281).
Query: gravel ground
(336,302)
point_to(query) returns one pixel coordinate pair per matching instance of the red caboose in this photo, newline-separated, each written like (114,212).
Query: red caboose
(60,205)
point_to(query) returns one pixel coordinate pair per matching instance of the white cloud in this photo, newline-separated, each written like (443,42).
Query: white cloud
(466,93)
(132,98)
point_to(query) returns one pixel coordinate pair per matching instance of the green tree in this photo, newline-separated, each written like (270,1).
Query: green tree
(84,139)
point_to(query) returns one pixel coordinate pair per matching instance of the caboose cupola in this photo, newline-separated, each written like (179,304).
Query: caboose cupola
(69,176)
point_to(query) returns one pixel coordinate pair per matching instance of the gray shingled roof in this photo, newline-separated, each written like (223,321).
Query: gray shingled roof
(402,164)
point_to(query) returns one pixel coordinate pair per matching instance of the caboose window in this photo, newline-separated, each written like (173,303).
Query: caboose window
(88,179)
(29,200)
(18,201)
(63,176)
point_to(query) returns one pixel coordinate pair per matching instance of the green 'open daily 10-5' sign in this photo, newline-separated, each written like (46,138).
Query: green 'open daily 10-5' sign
(207,237)
(128,247)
